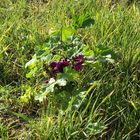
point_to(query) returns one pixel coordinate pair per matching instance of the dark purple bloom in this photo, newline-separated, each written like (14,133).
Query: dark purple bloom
(77,67)
(65,63)
(58,66)
(53,64)
(78,61)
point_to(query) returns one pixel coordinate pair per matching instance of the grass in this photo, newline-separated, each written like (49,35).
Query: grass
(108,110)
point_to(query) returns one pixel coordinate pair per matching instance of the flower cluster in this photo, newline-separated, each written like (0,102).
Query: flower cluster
(78,61)
(58,67)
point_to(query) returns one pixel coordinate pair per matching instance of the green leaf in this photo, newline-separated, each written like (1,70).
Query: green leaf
(67,33)
(31,63)
(25,98)
(106,51)
(88,22)
(31,73)
(88,52)
(50,88)
(47,58)
(41,97)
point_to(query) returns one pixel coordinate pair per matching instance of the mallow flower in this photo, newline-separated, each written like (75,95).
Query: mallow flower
(78,62)
(59,66)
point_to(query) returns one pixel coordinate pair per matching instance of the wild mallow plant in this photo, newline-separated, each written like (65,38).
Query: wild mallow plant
(58,65)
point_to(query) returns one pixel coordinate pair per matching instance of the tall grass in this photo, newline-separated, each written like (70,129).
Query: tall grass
(110,109)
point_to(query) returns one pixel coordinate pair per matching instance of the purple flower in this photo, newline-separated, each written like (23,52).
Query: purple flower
(53,64)
(59,66)
(65,63)
(78,61)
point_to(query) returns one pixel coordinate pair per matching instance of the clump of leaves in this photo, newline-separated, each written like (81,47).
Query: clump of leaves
(61,61)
